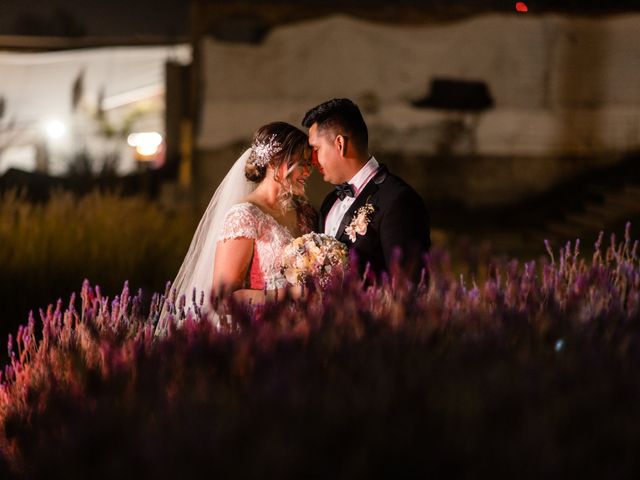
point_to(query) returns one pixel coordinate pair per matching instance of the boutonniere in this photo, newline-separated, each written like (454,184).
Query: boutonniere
(360,221)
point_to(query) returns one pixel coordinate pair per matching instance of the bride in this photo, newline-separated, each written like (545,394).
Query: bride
(259,207)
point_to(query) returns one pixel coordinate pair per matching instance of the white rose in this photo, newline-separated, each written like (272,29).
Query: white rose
(351,233)
(360,225)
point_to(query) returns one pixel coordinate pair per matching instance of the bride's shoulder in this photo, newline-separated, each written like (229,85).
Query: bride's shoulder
(242,220)
(244,209)
(243,206)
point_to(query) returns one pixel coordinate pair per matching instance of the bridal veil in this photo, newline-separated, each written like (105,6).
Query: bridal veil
(196,272)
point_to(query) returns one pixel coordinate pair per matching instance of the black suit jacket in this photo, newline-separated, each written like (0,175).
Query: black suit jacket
(399,219)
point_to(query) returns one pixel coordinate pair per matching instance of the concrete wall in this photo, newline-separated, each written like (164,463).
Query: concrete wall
(566,91)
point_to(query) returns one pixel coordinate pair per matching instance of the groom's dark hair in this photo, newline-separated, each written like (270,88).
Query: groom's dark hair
(342,117)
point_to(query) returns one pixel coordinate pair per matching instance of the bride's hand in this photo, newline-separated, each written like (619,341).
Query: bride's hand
(295,292)
(298,292)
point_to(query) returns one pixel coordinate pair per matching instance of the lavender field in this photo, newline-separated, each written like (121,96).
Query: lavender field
(528,371)
(47,249)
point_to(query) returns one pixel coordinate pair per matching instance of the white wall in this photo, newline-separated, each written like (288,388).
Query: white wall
(561,85)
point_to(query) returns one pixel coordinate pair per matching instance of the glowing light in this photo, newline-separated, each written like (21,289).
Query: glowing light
(146,151)
(522,7)
(559,345)
(55,129)
(146,144)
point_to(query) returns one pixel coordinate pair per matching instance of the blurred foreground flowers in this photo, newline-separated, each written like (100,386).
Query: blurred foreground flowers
(532,372)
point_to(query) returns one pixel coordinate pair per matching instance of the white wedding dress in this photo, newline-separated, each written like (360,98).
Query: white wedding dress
(226,217)
(270,237)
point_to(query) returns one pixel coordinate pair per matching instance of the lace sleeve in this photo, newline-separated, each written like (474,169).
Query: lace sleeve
(240,221)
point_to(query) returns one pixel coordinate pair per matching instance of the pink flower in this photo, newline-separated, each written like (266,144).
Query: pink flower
(360,221)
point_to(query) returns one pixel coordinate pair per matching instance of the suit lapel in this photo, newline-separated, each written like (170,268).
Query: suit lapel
(325,208)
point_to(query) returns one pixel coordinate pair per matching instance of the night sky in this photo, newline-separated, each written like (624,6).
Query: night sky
(170,17)
(93,17)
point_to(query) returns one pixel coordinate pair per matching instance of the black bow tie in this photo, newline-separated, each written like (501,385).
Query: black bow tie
(345,190)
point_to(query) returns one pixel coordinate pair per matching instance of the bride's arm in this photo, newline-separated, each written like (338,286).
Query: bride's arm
(233,259)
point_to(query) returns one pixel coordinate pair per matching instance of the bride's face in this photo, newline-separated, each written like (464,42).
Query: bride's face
(298,176)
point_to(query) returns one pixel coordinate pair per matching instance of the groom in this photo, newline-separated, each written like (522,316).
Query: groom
(370,209)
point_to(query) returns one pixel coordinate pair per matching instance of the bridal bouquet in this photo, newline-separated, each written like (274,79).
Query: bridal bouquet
(313,255)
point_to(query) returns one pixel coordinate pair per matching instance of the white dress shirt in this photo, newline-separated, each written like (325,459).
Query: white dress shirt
(340,207)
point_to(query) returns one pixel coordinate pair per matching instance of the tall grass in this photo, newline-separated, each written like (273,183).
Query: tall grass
(46,250)
(529,373)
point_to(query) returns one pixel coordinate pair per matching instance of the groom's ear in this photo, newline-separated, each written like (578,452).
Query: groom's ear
(341,143)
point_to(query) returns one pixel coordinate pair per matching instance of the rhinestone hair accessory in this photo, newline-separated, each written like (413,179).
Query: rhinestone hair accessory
(264,151)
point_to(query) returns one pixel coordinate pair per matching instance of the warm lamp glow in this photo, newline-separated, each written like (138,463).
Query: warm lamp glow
(146,144)
(55,129)
(146,150)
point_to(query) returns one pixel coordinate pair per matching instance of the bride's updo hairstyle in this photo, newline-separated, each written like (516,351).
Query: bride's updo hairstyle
(274,144)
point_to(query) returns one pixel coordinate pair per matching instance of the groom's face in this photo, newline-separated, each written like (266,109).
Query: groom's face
(327,154)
